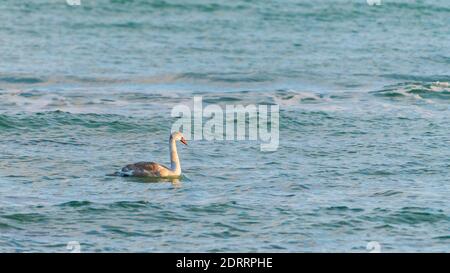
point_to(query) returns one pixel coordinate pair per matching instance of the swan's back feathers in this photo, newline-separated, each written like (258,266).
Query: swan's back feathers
(141,169)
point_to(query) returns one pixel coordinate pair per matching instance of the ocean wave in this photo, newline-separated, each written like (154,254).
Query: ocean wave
(410,216)
(117,205)
(290,97)
(418,6)
(14,79)
(62,120)
(6,226)
(25,217)
(75,204)
(387,193)
(18,79)
(229,78)
(418,91)
(162,5)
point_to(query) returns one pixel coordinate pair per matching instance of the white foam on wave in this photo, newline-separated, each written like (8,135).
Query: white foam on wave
(88,101)
(31,101)
(440,87)
(428,93)
(292,98)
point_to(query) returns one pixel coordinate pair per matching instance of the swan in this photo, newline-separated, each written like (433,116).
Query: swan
(152,169)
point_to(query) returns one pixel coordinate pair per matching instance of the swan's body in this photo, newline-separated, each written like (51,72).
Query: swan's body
(152,169)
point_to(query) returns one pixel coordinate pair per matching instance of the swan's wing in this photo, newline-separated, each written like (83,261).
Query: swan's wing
(142,169)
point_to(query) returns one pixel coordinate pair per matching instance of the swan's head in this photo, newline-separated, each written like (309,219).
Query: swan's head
(178,136)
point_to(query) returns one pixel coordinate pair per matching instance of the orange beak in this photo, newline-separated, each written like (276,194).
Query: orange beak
(183,141)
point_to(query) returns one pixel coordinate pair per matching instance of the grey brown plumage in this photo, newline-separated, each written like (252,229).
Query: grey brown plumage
(141,169)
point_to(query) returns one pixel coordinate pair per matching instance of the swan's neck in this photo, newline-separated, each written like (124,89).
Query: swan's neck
(174,160)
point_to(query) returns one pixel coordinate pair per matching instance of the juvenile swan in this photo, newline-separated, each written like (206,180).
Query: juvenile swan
(152,169)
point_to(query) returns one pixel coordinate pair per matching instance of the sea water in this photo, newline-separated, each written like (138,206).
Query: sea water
(364,130)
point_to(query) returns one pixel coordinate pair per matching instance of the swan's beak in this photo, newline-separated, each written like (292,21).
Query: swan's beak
(183,141)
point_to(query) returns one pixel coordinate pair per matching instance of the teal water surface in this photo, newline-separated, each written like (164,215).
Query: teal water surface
(364,100)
